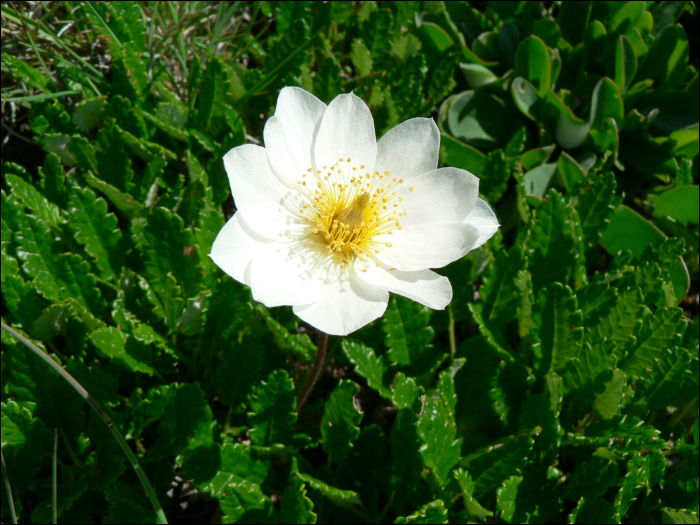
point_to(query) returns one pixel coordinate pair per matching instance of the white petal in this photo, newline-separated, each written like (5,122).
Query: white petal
(444,195)
(303,112)
(409,149)
(348,305)
(235,247)
(268,206)
(483,218)
(424,246)
(346,131)
(289,274)
(425,286)
(289,135)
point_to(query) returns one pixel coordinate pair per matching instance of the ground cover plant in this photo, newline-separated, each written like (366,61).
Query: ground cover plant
(560,384)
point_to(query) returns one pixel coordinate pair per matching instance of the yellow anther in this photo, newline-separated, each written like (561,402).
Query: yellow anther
(388,245)
(411,188)
(309,170)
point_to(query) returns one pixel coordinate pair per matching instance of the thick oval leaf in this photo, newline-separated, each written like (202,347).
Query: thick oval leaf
(532,64)
(679,203)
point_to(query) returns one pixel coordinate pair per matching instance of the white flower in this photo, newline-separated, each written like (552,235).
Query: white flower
(330,221)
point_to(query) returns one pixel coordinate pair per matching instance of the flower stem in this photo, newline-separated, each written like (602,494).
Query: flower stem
(315,370)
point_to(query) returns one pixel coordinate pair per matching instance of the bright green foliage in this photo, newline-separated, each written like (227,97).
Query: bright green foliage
(558,386)
(272,402)
(340,419)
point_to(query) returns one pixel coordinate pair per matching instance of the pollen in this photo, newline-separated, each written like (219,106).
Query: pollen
(350,210)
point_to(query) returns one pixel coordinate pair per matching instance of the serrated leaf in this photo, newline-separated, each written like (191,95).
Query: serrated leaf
(433,512)
(368,365)
(339,426)
(641,471)
(296,508)
(595,205)
(56,276)
(440,450)
(407,333)
(118,345)
(495,176)
(21,300)
(26,442)
(213,468)
(34,200)
(97,230)
(245,502)
(553,249)
(495,465)
(474,510)
(406,460)
(164,243)
(607,403)
(211,98)
(273,416)
(591,479)
(238,370)
(621,433)
(560,334)
(405,392)
(344,498)
(593,511)
(507,497)
(328,80)
(58,405)
(499,289)
(186,417)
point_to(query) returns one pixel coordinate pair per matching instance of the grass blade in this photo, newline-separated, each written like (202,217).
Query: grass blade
(105,417)
(8,489)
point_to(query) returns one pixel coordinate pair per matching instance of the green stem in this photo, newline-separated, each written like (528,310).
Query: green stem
(451,330)
(105,417)
(8,489)
(680,414)
(54,478)
(314,372)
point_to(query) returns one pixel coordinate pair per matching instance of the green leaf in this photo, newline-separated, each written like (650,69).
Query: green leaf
(492,467)
(474,510)
(621,434)
(607,403)
(476,118)
(507,498)
(681,203)
(97,230)
(213,468)
(163,241)
(667,59)
(595,46)
(55,401)
(238,369)
(665,13)
(625,17)
(597,511)
(339,426)
(591,479)
(625,62)
(553,255)
(368,365)
(433,512)
(526,97)
(273,414)
(460,155)
(125,349)
(187,418)
(560,332)
(405,391)
(606,103)
(629,231)
(405,458)
(361,57)
(595,205)
(499,290)
(296,507)
(677,516)
(537,180)
(440,451)
(212,95)
(113,161)
(328,80)
(344,498)
(26,442)
(245,502)
(56,276)
(21,300)
(407,333)
(642,470)
(127,505)
(532,64)
(495,176)
(34,200)
(536,157)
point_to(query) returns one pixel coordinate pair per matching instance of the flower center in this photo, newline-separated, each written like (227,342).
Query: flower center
(350,207)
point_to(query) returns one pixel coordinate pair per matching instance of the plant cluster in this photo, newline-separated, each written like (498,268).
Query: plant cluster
(561,383)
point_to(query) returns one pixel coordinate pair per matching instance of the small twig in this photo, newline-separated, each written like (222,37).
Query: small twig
(314,372)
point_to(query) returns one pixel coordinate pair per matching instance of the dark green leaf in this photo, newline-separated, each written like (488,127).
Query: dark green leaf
(245,502)
(368,365)
(339,426)
(492,467)
(273,412)
(433,512)
(441,451)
